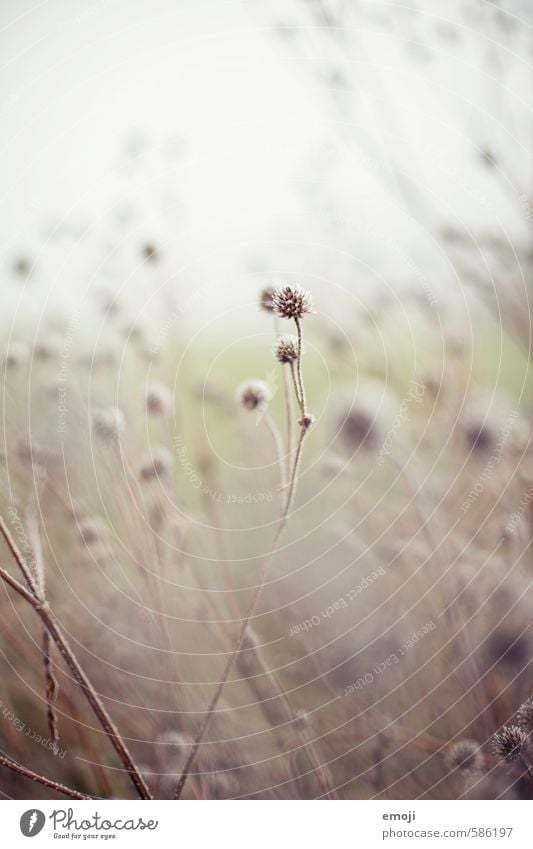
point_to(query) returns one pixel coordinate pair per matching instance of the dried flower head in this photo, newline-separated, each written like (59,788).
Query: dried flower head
(358,426)
(465,756)
(254,394)
(292,302)
(108,423)
(265,299)
(157,464)
(91,530)
(524,716)
(150,251)
(159,399)
(508,744)
(286,349)
(509,647)
(301,719)
(47,349)
(15,356)
(480,435)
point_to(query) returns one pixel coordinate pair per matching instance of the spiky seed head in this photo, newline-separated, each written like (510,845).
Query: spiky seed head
(292,302)
(157,464)
(508,744)
(91,530)
(465,756)
(254,394)
(265,299)
(286,350)
(524,716)
(158,399)
(108,424)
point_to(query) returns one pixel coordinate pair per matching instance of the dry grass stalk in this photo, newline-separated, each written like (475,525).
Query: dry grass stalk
(291,303)
(41,779)
(45,614)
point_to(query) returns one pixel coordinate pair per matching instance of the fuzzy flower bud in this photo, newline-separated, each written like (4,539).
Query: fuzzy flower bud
(254,394)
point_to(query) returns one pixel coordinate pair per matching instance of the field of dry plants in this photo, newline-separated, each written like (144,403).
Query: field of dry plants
(296,566)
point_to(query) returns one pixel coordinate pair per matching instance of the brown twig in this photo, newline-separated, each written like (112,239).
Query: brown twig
(41,779)
(45,614)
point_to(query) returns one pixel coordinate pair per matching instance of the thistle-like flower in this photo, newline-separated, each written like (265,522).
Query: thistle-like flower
(108,424)
(286,349)
(158,399)
(265,299)
(156,465)
(508,744)
(292,302)
(524,716)
(254,394)
(465,756)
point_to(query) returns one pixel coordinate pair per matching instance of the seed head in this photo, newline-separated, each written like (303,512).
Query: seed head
(286,349)
(265,299)
(524,716)
(158,399)
(47,349)
(292,302)
(508,744)
(465,756)
(254,394)
(156,465)
(301,719)
(358,426)
(15,356)
(108,424)
(91,530)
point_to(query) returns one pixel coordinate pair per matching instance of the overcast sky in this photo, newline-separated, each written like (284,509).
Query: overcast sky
(245,140)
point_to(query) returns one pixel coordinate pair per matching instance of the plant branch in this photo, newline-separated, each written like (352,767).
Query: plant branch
(41,779)
(45,614)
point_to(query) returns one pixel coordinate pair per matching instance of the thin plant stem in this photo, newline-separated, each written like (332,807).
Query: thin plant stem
(51,691)
(278,443)
(299,376)
(41,779)
(295,384)
(51,684)
(290,416)
(259,588)
(19,559)
(45,614)
(19,588)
